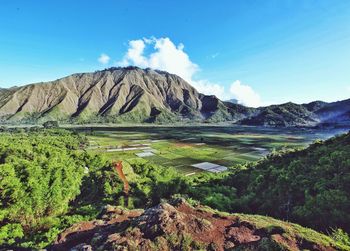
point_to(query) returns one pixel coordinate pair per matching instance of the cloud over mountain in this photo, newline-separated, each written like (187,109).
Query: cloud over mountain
(167,56)
(104,58)
(163,54)
(245,94)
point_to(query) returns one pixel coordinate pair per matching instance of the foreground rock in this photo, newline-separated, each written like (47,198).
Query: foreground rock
(179,226)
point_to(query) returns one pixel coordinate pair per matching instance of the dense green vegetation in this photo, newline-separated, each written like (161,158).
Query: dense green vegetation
(310,186)
(48,182)
(40,174)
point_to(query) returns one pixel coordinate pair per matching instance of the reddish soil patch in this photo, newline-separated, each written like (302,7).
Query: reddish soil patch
(119,168)
(174,226)
(84,232)
(179,144)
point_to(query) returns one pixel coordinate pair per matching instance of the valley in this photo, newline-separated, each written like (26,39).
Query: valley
(60,190)
(184,146)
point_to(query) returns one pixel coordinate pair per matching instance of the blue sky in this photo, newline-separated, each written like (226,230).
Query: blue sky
(260,52)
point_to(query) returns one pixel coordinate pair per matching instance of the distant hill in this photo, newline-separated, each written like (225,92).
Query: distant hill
(288,114)
(132,94)
(233,101)
(335,113)
(316,113)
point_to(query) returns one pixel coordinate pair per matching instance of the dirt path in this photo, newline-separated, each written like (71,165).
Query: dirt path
(119,168)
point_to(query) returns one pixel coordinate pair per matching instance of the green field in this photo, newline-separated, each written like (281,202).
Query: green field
(181,147)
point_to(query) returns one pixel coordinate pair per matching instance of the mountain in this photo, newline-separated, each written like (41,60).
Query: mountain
(233,101)
(288,114)
(139,95)
(179,226)
(317,113)
(112,95)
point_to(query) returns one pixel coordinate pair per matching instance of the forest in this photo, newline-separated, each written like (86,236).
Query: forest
(48,181)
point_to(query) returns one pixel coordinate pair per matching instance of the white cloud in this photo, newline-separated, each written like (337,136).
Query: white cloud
(167,56)
(348,88)
(209,88)
(245,94)
(134,55)
(104,58)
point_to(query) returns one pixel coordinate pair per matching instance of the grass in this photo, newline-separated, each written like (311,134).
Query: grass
(292,230)
(182,147)
(289,230)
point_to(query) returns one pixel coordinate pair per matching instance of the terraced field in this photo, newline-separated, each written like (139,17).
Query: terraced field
(182,147)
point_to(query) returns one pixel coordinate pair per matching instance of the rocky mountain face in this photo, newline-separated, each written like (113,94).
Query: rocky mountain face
(115,94)
(139,95)
(179,226)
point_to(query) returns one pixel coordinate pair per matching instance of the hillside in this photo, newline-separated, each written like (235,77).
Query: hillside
(179,226)
(308,186)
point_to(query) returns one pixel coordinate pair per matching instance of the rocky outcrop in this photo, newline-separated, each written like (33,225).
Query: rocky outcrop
(180,226)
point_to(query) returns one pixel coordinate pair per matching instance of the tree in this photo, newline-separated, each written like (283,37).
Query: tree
(50,124)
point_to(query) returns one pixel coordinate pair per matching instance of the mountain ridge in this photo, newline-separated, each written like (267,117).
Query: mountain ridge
(132,94)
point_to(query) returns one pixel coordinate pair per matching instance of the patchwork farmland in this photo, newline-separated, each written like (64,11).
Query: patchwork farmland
(194,149)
